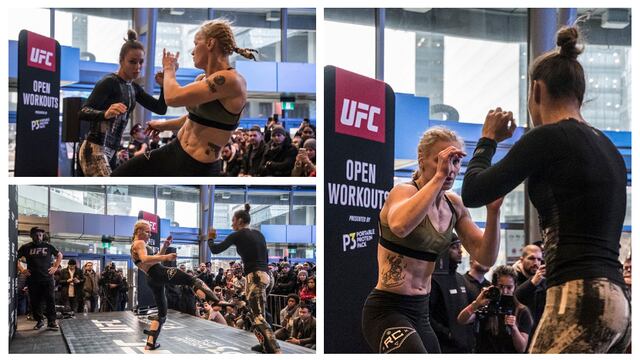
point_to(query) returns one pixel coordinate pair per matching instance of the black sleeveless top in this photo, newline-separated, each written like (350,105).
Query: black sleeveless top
(424,242)
(213,114)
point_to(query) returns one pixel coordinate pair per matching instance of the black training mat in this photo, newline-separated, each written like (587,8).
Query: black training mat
(121,333)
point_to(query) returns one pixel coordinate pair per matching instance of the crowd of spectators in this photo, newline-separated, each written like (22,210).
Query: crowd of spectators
(258,151)
(290,306)
(472,314)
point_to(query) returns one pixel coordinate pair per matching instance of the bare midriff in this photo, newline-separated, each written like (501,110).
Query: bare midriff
(401,274)
(201,142)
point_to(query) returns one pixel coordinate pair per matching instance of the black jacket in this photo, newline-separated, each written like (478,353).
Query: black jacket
(279,160)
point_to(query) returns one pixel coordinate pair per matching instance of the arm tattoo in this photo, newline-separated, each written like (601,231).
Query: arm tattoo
(217,81)
(394,277)
(211,147)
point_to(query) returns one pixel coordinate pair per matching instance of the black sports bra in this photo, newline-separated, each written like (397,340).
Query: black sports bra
(214,114)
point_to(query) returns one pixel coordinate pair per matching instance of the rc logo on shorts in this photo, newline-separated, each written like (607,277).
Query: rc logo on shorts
(41,52)
(360,106)
(393,338)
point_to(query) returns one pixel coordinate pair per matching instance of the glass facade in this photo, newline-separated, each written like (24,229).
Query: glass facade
(180,204)
(98,33)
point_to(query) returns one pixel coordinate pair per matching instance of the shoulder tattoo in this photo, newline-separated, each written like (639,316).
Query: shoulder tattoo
(394,276)
(217,81)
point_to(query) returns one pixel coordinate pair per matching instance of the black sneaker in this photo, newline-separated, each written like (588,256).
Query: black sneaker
(258,348)
(39,324)
(52,326)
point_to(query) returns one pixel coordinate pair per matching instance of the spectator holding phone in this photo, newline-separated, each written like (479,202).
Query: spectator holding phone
(305,164)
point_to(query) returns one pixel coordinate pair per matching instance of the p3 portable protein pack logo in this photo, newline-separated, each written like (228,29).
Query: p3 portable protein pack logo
(360,106)
(41,52)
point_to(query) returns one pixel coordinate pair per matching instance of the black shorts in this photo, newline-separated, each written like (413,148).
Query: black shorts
(169,160)
(393,323)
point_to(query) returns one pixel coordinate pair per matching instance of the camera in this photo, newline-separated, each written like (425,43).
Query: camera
(499,304)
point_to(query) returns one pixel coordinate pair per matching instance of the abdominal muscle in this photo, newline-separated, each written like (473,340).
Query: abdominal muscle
(403,275)
(201,142)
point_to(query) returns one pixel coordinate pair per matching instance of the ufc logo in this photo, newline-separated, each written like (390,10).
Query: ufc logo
(354,113)
(348,241)
(40,56)
(154,226)
(38,251)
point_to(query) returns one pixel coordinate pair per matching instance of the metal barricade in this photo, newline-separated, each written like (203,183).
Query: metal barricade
(275,303)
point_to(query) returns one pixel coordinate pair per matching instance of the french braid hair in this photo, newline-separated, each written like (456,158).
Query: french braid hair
(220,29)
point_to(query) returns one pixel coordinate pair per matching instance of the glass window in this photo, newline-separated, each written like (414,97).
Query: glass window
(227,200)
(350,40)
(269,206)
(304,208)
(98,33)
(255,29)
(33,200)
(425,50)
(301,36)
(34,20)
(607,66)
(128,200)
(78,198)
(187,250)
(175,31)
(180,204)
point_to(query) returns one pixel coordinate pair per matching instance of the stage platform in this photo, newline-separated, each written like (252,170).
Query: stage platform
(121,333)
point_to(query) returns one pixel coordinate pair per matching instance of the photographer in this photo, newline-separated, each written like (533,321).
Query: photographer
(501,323)
(110,284)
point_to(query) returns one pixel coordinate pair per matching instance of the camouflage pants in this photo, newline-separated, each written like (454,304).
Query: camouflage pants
(93,160)
(259,283)
(584,316)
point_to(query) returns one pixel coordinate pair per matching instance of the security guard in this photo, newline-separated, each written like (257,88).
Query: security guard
(39,274)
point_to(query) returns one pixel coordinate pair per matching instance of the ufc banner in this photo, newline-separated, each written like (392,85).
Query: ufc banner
(154,222)
(38,110)
(359,133)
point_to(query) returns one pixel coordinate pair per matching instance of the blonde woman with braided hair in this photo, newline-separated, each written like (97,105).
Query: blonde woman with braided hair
(158,275)
(214,102)
(416,225)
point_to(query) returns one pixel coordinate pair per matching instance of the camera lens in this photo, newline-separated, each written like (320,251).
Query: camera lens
(493,293)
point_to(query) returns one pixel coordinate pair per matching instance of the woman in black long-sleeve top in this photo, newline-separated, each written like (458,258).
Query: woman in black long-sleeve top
(108,108)
(252,248)
(577,182)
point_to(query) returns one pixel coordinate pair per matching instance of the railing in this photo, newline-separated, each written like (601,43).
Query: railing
(275,303)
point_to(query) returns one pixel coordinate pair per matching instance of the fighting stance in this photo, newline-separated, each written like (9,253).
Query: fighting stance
(252,248)
(577,182)
(214,102)
(416,225)
(109,106)
(158,275)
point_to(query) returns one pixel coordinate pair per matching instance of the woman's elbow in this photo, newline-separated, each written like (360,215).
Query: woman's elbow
(470,196)
(171,101)
(399,230)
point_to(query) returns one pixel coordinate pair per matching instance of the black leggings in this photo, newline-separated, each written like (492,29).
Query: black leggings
(158,276)
(169,160)
(393,323)
(584,316)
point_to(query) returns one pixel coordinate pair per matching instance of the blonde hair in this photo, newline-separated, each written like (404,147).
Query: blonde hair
(139,225)
(430,137)
(220,29)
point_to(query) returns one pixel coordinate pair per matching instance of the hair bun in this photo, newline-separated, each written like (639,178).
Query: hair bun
(247,207)
(567,40)
(132,35)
